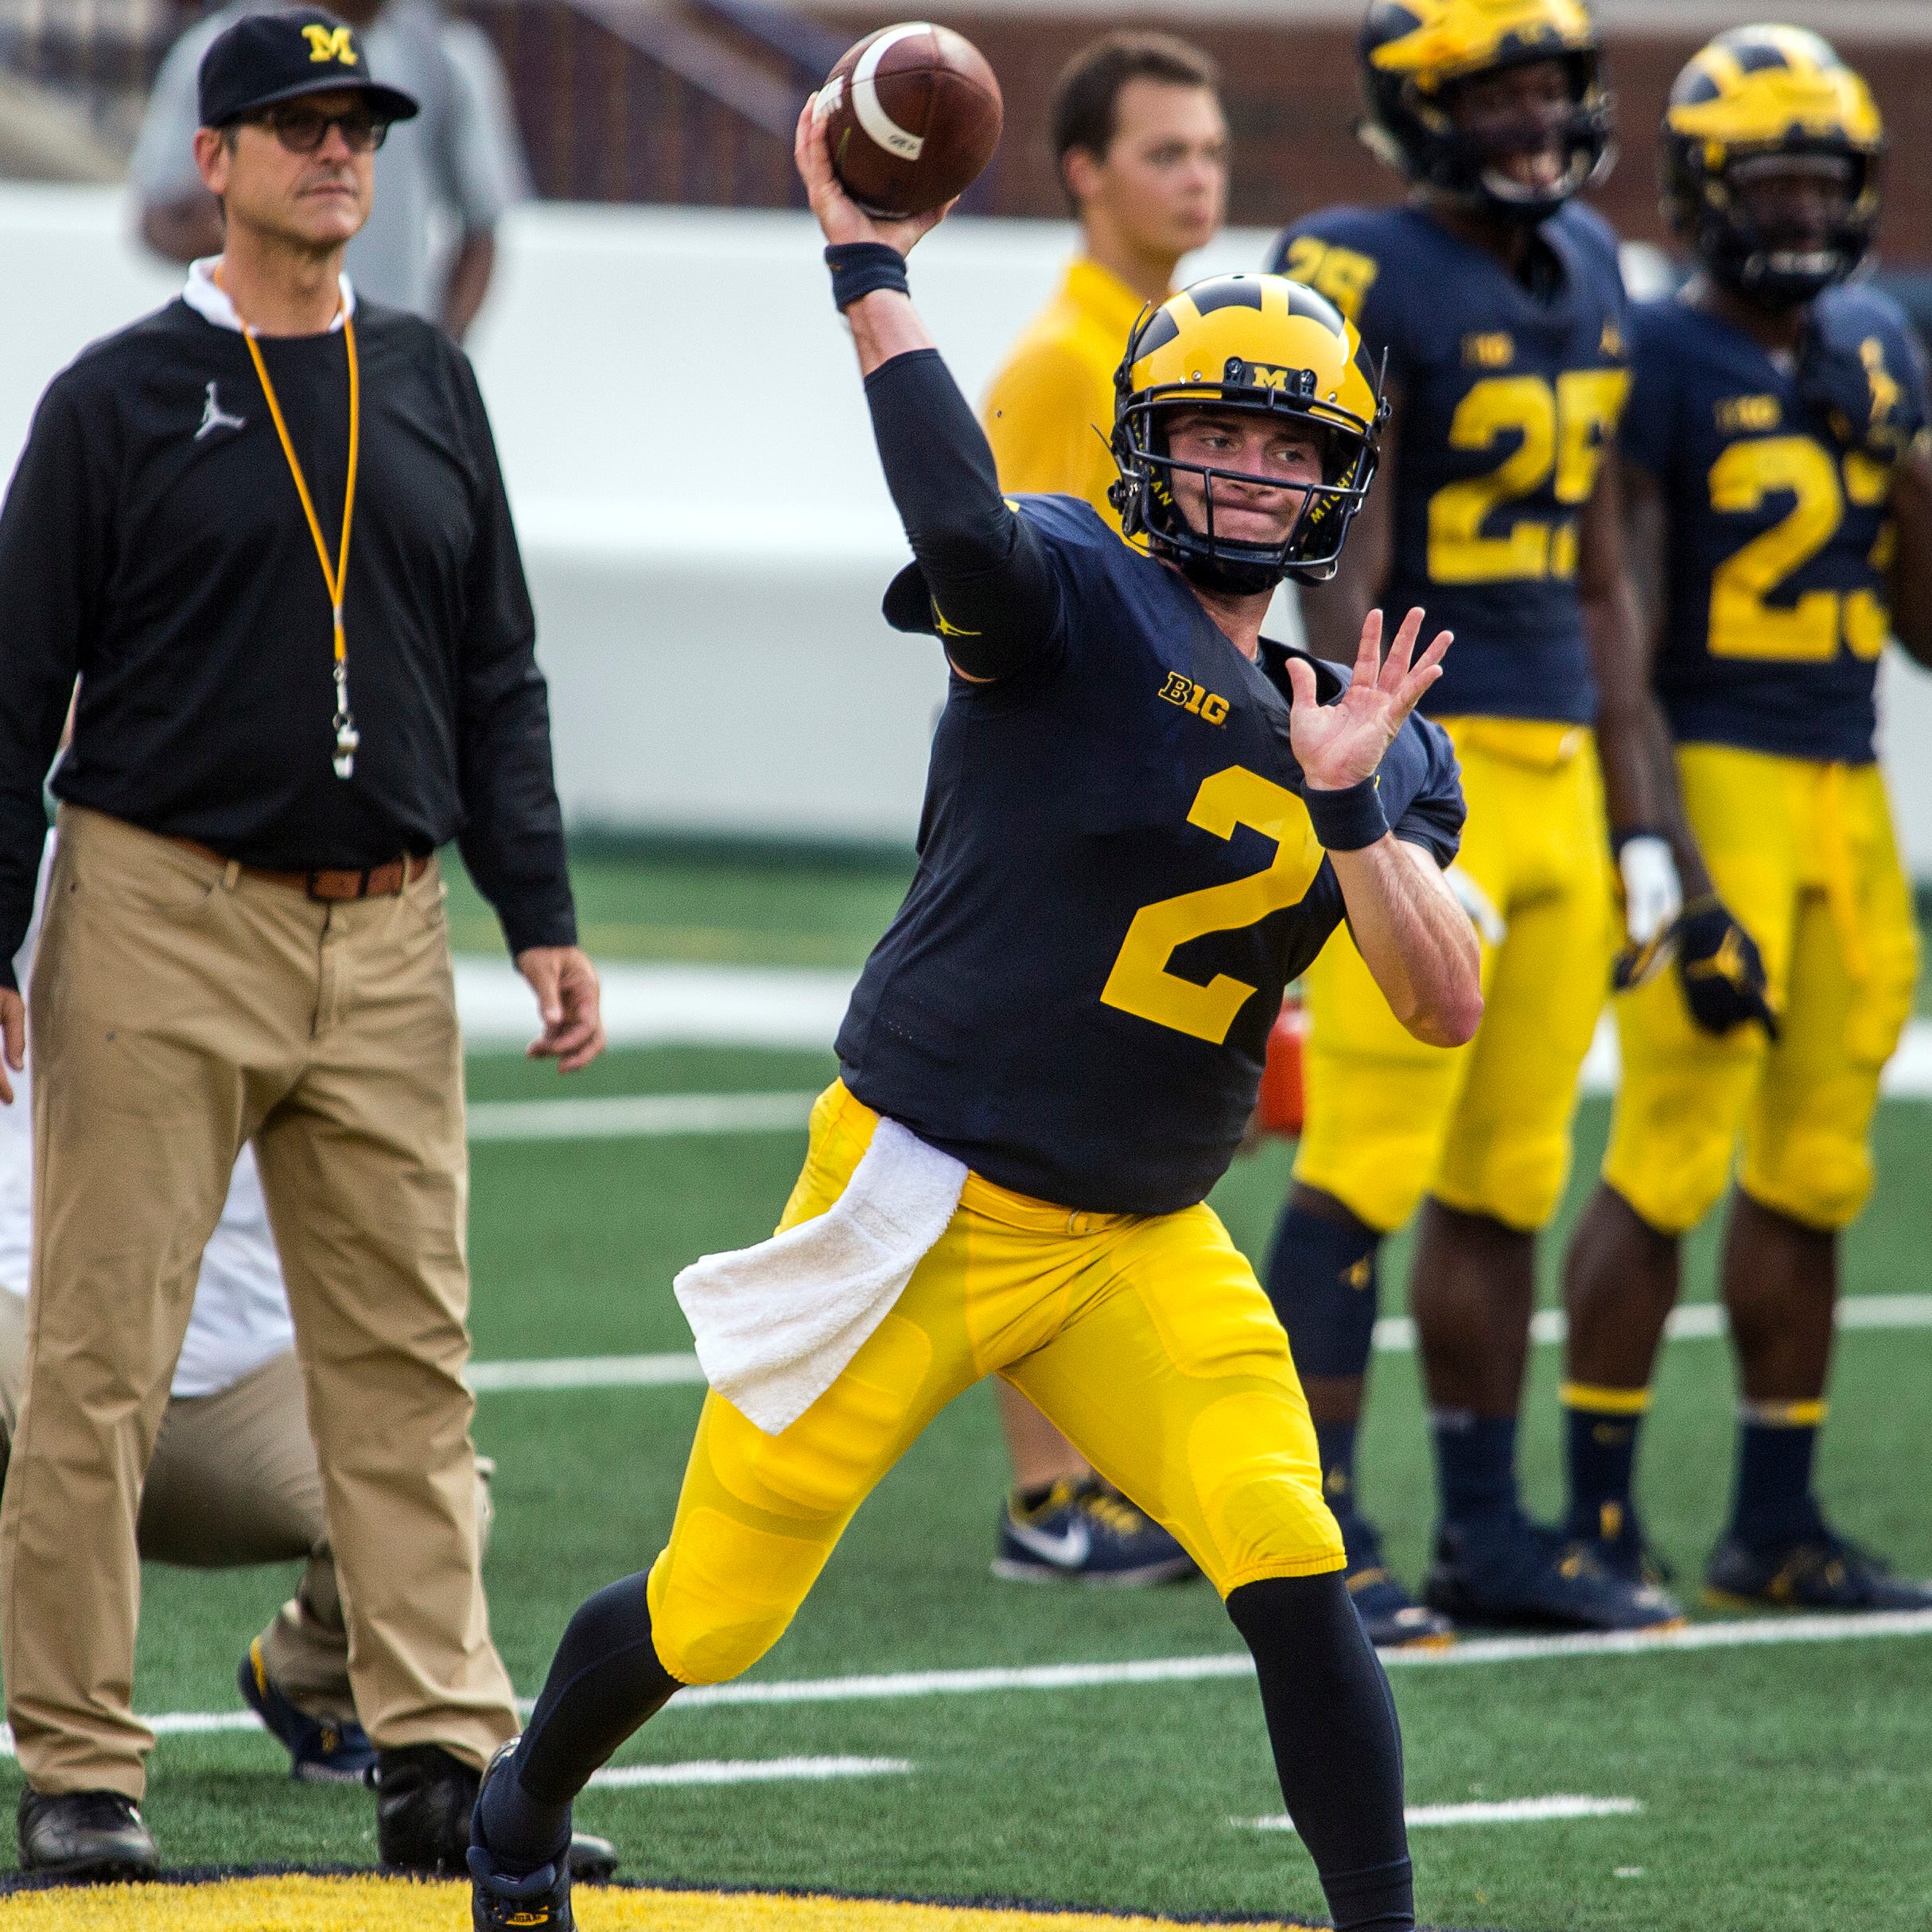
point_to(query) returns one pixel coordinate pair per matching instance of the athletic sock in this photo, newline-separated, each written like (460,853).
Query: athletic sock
(1776,1444)
(1475,1464)
(1602,1425)
(1321,1279)
(1335,1442)
(605,1681)
(1337,1748)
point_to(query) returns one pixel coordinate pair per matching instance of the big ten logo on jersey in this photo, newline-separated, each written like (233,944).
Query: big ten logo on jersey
(1195,698)
(1551,436)
(1493,349)
(1753,613)
(1344,275)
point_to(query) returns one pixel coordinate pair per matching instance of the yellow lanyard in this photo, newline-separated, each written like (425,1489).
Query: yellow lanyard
(335,576)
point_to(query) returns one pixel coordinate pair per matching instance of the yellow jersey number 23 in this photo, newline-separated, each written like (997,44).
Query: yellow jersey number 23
(1140,983)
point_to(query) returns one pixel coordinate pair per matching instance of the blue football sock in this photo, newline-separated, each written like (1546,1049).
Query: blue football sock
(1321,1279)
(1601,1427)
(1776,1444)
(1475,1464)
(1335,1444)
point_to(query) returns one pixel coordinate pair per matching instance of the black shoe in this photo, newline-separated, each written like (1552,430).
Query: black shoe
(1083,1530)
(1392,1618)
(1823,1571)
(1617,1542)
(85,1835)
(498,1898)
(1517,1574)
(593,1859)
(424,1796)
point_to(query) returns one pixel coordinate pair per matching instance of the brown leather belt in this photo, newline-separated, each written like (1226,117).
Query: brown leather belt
(331,884)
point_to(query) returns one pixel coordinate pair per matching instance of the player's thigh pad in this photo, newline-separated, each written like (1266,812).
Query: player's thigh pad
(1854,965)
(1506,1151)
(1171,1374)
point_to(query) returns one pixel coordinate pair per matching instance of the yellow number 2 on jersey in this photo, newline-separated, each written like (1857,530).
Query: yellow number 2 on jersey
(1140,983)
(1743,622)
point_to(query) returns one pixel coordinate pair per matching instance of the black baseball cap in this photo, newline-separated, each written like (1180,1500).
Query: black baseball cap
(264,58)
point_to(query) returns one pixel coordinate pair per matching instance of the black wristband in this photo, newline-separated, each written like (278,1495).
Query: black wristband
(860,268)
(1346,821)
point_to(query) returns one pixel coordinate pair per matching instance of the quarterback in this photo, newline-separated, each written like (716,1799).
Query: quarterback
(1780,507)
(1496,300)
(1142,818)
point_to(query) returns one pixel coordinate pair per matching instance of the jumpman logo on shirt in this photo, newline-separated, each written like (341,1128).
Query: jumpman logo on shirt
(215,417)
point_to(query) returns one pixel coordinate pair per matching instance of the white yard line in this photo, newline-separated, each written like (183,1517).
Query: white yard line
(1394,1334)
(638,1115)
(916,1685)
(748,1770)
(1500,1811)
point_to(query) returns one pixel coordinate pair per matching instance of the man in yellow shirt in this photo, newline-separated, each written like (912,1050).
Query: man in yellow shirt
(1142,147)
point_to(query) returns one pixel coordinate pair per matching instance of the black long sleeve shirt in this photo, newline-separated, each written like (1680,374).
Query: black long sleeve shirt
(153,541)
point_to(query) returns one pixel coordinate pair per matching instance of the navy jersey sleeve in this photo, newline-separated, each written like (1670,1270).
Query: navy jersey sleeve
(1434,815)
(1345,253)
(987,586)
(1647,429)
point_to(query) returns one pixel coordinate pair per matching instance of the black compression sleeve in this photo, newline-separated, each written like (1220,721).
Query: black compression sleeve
(990,580)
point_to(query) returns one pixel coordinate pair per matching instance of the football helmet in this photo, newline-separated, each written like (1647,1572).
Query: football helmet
(1756,92)
(1414,52)
(1265,346)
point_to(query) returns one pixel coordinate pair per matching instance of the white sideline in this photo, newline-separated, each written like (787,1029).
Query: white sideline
(1497,1811)
(638,1116)
(1394,1334)
(747,1771)
(920,1684)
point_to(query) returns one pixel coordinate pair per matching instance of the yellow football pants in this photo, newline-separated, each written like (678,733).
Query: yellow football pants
(1486,1127)
(1803,855)
(1146,1338)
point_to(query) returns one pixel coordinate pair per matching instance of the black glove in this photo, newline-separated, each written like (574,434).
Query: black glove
(1722,970)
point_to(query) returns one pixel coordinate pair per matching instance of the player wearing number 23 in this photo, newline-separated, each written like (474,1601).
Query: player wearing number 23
(1140,819)
(1497,300)
(1781,504)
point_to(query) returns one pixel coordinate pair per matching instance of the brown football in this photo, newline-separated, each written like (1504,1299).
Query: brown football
(914,114)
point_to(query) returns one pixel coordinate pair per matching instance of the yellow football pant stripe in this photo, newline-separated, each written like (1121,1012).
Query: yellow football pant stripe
(1605,1401)
(296,1904)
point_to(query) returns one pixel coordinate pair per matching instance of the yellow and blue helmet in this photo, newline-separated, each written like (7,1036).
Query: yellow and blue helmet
(1768,92)
(1414,53)
(1263,345)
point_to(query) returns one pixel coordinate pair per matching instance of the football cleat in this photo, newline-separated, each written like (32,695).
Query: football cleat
(1393,1618)
(1084,1531)
(321,1750)
(1823,1571)
(1517,1574)
(1617,1542)
(539,1901)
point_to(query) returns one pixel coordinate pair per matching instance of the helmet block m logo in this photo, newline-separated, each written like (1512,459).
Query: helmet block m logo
(330,44)
(1436,40)
(1756,93)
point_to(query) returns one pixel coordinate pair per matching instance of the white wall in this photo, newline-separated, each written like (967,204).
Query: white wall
(702,517)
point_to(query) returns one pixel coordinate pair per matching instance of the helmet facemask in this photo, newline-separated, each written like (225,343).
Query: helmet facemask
(1776,268)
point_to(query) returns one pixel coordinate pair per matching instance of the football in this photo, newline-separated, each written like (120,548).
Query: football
(914,114)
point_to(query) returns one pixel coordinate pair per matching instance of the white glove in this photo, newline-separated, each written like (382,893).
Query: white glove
(1652,895)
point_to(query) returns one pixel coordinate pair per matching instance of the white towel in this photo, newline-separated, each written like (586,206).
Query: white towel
(776,1324)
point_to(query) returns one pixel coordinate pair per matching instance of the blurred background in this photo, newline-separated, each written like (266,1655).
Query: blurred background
(705,530)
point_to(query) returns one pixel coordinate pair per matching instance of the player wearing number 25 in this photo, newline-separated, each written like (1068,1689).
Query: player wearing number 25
(1497,300)
(1140,819)
(1781,513)
(264,528)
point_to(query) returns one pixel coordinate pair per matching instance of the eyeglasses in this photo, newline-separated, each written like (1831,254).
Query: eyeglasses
(302,131)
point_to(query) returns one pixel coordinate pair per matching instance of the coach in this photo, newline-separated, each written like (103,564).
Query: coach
(267,530)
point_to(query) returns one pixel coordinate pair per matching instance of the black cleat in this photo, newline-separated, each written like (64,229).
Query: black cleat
(96,1835)
(1823,1571)
(1516,1574)
(539,1900)
(1392,1620)
(321,1750)
(1617,1542)
(1085,1531)
(424,1796)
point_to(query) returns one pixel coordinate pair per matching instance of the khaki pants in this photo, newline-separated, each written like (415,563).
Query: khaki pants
(178,1009)
(233,1481)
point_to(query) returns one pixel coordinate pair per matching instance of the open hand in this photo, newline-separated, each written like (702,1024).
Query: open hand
(1340,745)
(565,984)
(839,215)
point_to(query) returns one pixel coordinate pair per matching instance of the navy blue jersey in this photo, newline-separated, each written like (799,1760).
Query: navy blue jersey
(1507,395)
(1117,880)
(1778,538)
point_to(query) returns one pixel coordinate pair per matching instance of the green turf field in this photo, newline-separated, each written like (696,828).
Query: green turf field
(1783,1789)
